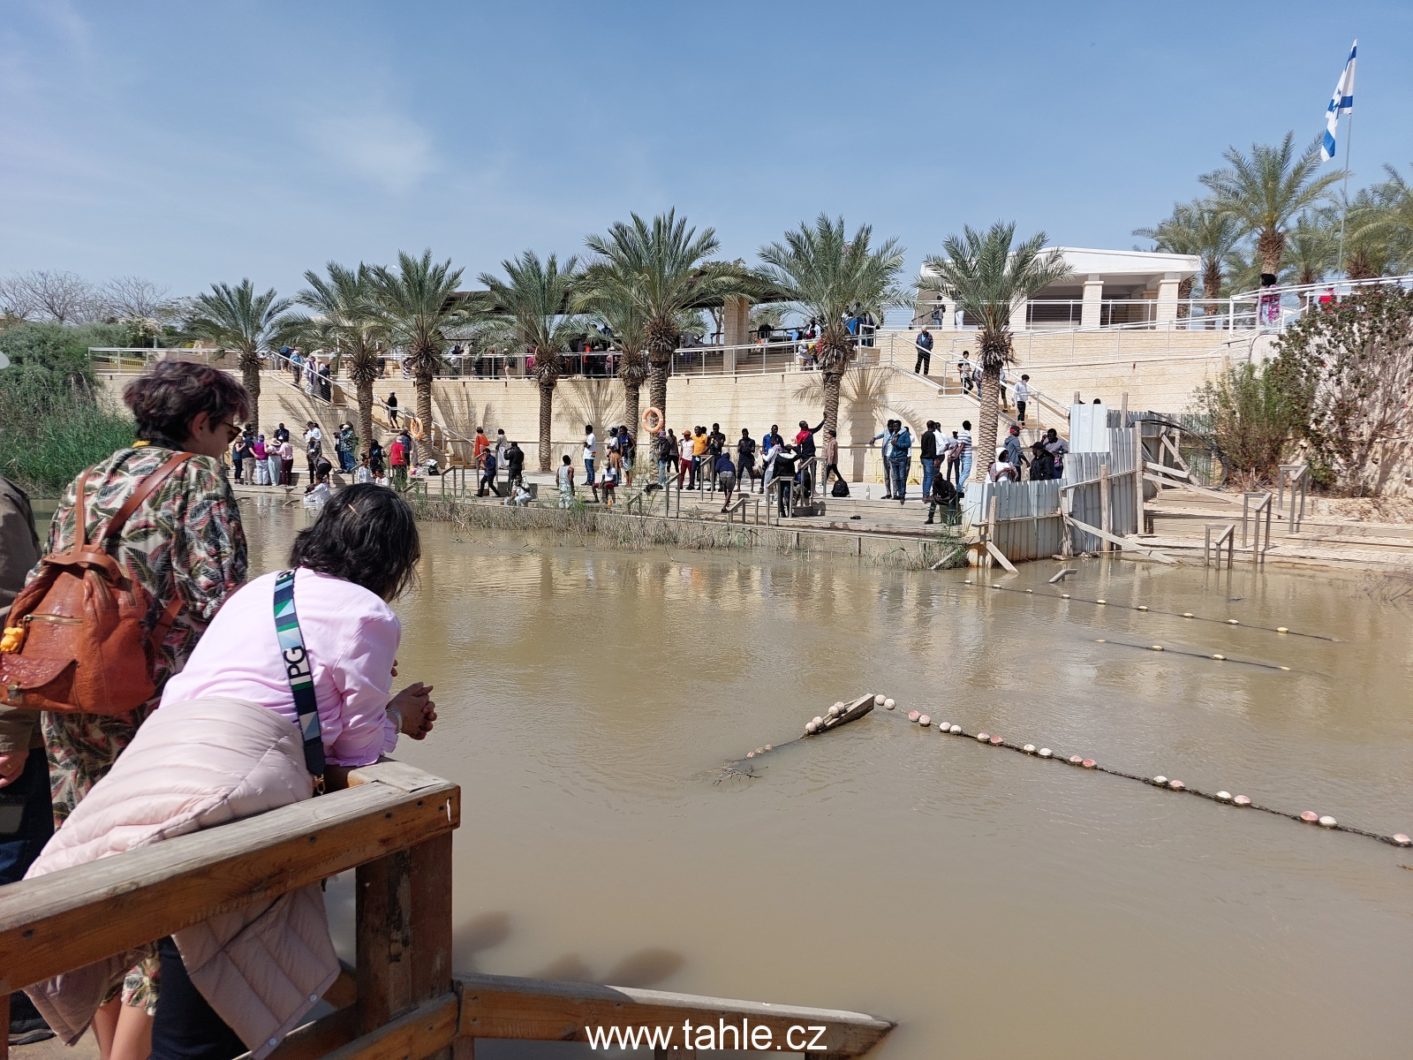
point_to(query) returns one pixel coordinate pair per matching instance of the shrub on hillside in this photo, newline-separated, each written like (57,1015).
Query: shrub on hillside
(1250,414)
(1351,366)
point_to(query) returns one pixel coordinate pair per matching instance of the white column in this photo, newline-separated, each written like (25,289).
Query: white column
(1091,313)
(736,321)
(1167,302)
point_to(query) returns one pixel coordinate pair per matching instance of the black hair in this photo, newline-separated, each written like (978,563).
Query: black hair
(366,535)
(165,400)
(966,425)
(566,459)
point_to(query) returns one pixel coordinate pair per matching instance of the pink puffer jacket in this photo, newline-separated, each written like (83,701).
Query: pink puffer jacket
(196,765)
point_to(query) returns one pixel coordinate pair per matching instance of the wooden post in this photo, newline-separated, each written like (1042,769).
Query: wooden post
(1105,521)
(990,525)
(384,913)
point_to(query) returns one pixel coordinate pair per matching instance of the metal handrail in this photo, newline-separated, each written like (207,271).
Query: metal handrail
(1297,477)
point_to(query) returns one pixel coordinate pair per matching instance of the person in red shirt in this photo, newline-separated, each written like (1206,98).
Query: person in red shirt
(397,462)
(482,443)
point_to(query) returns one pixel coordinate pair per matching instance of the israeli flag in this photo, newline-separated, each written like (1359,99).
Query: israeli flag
(1342,102)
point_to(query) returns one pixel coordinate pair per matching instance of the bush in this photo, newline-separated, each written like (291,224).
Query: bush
(52,423)
(1250,414)
(1352,366)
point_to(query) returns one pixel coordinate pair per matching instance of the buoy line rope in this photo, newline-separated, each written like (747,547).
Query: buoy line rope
(1193,654)
(1223,798)
(841,714)
(1148,610)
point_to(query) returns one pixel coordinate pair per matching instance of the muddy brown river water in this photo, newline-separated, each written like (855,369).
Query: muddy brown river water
(995,906)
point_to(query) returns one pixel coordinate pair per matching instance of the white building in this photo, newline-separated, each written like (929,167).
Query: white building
(1105,288)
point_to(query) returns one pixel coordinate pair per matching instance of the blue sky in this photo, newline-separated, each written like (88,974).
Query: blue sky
(189,143)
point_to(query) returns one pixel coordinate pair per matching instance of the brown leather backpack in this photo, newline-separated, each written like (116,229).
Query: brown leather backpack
(79,636)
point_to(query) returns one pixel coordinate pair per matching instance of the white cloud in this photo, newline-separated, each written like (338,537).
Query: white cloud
(376,143)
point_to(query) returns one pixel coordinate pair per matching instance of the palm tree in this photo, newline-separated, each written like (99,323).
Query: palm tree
(346,317)
(1310,248)
(986,277)
(1202,229)
(1396,219)
(659,266)
(236,318)
(533,301)
(1374,234)
(417,303)
(1266,191)
(630,335)
(829,276)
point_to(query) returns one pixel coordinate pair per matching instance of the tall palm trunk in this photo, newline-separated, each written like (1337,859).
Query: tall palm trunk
(657,382)
(833,380)
(987,419)
(422,385)
(1270,247)
(546,415)
(632,392)
(1185,296)
(250,376)
(365,412)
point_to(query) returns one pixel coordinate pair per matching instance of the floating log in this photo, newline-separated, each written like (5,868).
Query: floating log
(835,716)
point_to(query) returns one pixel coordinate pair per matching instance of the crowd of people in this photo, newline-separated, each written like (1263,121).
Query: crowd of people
(91,767)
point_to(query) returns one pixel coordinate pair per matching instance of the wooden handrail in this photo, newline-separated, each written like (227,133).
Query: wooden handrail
(393,823)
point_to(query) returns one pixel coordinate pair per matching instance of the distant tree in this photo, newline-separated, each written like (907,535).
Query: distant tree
(52,295)
(660,265)
(1266,190)
(240,320)
(1250,416)
(1198,228)
(1311,249)
(827,273)
(346,318)
(417,301)
(533,300)
(133,298)
(985,276)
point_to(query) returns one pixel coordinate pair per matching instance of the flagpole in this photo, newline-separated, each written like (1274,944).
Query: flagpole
(1344,215)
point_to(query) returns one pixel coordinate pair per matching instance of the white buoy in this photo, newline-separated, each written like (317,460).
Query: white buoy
(1064,596)
(913,715)
(770,747)
(1282,629)
(1160,780)
(879,700)
(818,721)
(1045,752)
(1233,622)
(1309,816)
(750,754)
(982,737)
(1030,590)
(1076,759)
(1220,658)
(925,720)
(1101,601)
(1224,796)
(1401,839)
(1143,607)
(1101,640)
(890,703)
(811,728)
(956,730)
(1157,647)
(1187,614)
(1029,748)
(1327,821)
(1177,785)
(833,711)
(1240,800)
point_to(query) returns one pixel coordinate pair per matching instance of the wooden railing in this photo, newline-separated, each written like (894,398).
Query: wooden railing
(393,824)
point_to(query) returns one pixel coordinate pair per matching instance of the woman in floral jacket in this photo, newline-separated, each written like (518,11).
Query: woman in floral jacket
(185,541)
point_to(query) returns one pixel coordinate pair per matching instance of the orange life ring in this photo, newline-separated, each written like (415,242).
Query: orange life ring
(653,420)
(414,428)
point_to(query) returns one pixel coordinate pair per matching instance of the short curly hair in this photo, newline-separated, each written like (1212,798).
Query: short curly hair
(367,535)
(165,400)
